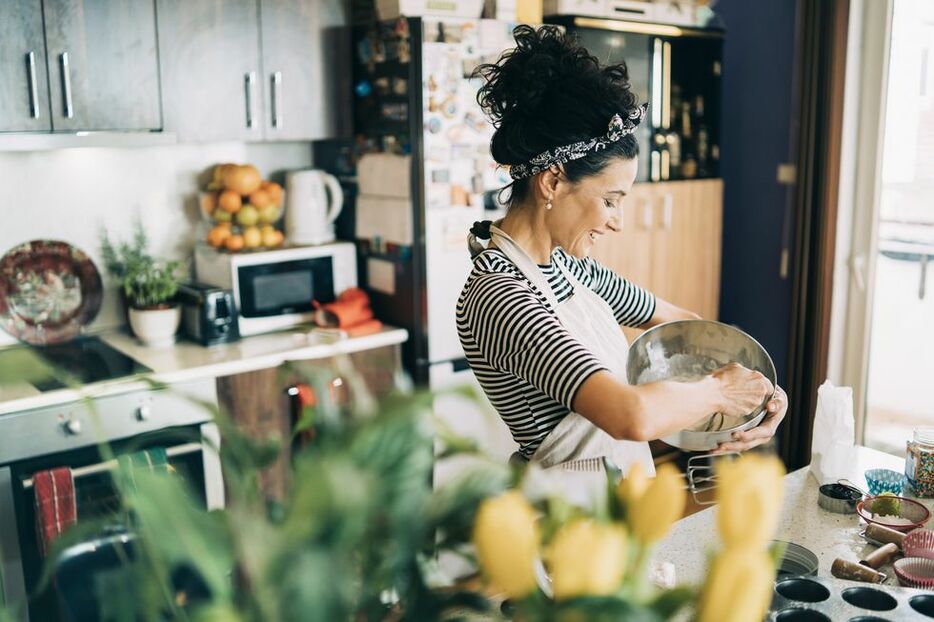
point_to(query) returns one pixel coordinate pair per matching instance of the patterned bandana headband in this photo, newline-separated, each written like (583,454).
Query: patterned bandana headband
(559,155)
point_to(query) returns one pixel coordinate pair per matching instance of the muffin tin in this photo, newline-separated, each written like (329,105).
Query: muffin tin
(825,599)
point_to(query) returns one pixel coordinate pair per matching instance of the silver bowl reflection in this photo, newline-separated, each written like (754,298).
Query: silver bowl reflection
(688,350)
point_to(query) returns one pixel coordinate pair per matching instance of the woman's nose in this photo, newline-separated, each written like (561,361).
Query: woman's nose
(615,223)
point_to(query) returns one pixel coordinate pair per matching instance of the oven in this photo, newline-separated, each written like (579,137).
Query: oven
(71,435)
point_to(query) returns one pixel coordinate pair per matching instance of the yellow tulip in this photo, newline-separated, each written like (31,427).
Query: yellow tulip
(659,507)
(587,558)
(749,494)
(633,486)
(506,536)
(739,586)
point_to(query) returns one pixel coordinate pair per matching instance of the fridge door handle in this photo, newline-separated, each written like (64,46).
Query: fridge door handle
(657,77)
(666,85)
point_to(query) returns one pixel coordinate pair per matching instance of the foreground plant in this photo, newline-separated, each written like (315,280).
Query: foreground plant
(593,564)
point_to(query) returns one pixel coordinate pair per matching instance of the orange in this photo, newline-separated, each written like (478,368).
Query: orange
(260,198)
(229,201)
(208,203)
(274,191)
(219,234)
(234,243)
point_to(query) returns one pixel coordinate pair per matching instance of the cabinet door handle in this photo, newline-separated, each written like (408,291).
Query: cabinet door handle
(647,215)
(66,85)
(33,86)
(656,98)
(276,98)
(249,79)
(668,212)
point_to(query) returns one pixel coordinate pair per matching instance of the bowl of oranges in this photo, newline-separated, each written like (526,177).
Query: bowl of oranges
(241,209)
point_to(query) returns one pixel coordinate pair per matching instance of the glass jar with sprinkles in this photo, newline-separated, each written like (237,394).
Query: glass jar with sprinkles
(919,462)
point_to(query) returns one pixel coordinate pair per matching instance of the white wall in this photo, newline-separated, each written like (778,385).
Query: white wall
(70,194)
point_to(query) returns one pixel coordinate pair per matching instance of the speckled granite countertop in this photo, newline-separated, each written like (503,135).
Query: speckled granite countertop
(803,522)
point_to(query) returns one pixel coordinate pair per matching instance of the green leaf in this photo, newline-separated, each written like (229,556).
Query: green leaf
(669,602)
(602,609)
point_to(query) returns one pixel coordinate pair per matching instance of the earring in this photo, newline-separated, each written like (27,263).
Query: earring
(548,204)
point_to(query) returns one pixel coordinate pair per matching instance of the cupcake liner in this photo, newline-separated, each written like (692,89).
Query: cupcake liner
(919,543)
(884,480)
(915,572)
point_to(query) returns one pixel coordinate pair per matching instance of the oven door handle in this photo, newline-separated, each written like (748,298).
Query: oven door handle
(110,465)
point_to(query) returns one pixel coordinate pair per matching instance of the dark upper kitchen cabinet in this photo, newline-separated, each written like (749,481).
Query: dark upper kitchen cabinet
(210,62)
(248,70)
(24,94)
(103,65)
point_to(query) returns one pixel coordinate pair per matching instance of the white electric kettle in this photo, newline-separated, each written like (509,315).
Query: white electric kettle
(313,202)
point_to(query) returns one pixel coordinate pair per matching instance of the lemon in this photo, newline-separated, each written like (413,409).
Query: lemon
(890,507)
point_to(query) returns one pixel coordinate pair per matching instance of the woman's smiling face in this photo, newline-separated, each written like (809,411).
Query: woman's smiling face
(583,211)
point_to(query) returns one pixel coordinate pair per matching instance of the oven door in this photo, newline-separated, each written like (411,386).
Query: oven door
(191,452)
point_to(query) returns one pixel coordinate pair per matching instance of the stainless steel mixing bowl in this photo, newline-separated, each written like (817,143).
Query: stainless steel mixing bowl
(689,349)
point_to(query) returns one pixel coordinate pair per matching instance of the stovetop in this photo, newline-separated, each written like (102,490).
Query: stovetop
(84,360)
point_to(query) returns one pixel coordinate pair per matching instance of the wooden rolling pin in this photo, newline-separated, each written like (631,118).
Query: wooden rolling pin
(881,556)
(853,571)
(884,535)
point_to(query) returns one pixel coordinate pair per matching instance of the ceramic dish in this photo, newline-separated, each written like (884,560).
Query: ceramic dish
(908,514)
(49,290)
(686,350)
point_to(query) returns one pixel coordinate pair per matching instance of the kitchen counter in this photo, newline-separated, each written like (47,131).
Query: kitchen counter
(803,522)
(185,361)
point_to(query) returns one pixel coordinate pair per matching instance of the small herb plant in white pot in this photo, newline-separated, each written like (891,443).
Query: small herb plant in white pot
(150,290)
(147,286)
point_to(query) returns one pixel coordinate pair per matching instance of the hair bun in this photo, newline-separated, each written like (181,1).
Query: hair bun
(542,60)
(548,80)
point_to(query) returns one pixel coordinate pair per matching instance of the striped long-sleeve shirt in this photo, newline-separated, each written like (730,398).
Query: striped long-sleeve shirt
(527,363)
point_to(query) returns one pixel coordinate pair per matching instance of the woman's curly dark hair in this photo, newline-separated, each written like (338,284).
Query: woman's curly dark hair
(550,91)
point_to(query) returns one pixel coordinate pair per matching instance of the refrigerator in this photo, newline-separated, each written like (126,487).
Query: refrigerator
(419,175)
(415,106)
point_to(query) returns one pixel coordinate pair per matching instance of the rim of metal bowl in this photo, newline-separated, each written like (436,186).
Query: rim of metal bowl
(768,357)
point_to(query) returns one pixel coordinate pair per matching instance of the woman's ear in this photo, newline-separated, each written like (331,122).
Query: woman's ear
(546,183)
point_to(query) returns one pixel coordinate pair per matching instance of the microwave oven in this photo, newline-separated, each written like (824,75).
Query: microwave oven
(274,289)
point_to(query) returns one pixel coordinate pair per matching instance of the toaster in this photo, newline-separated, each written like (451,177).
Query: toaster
(209,315)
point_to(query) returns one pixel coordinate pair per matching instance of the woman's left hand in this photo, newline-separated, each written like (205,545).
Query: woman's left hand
(777,407)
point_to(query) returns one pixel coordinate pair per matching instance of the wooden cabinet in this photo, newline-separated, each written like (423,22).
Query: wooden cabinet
(671,242)
(24,94)
(103,65)
(250,70)
(256,401)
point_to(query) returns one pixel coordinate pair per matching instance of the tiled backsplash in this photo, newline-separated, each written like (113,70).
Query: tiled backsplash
(70,194)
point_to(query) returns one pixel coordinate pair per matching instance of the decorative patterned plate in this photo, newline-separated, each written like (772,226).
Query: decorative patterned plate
(48,291)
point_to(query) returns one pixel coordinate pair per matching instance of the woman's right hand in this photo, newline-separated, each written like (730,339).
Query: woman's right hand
(743,390)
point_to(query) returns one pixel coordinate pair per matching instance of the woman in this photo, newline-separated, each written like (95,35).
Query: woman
(538,319)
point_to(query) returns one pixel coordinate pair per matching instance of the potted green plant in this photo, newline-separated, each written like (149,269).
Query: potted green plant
(150,290)
(147,287)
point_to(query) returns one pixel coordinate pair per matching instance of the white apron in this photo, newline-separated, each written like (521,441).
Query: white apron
(576,444)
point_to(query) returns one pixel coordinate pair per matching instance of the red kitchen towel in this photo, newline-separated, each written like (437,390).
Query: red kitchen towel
(55,504)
